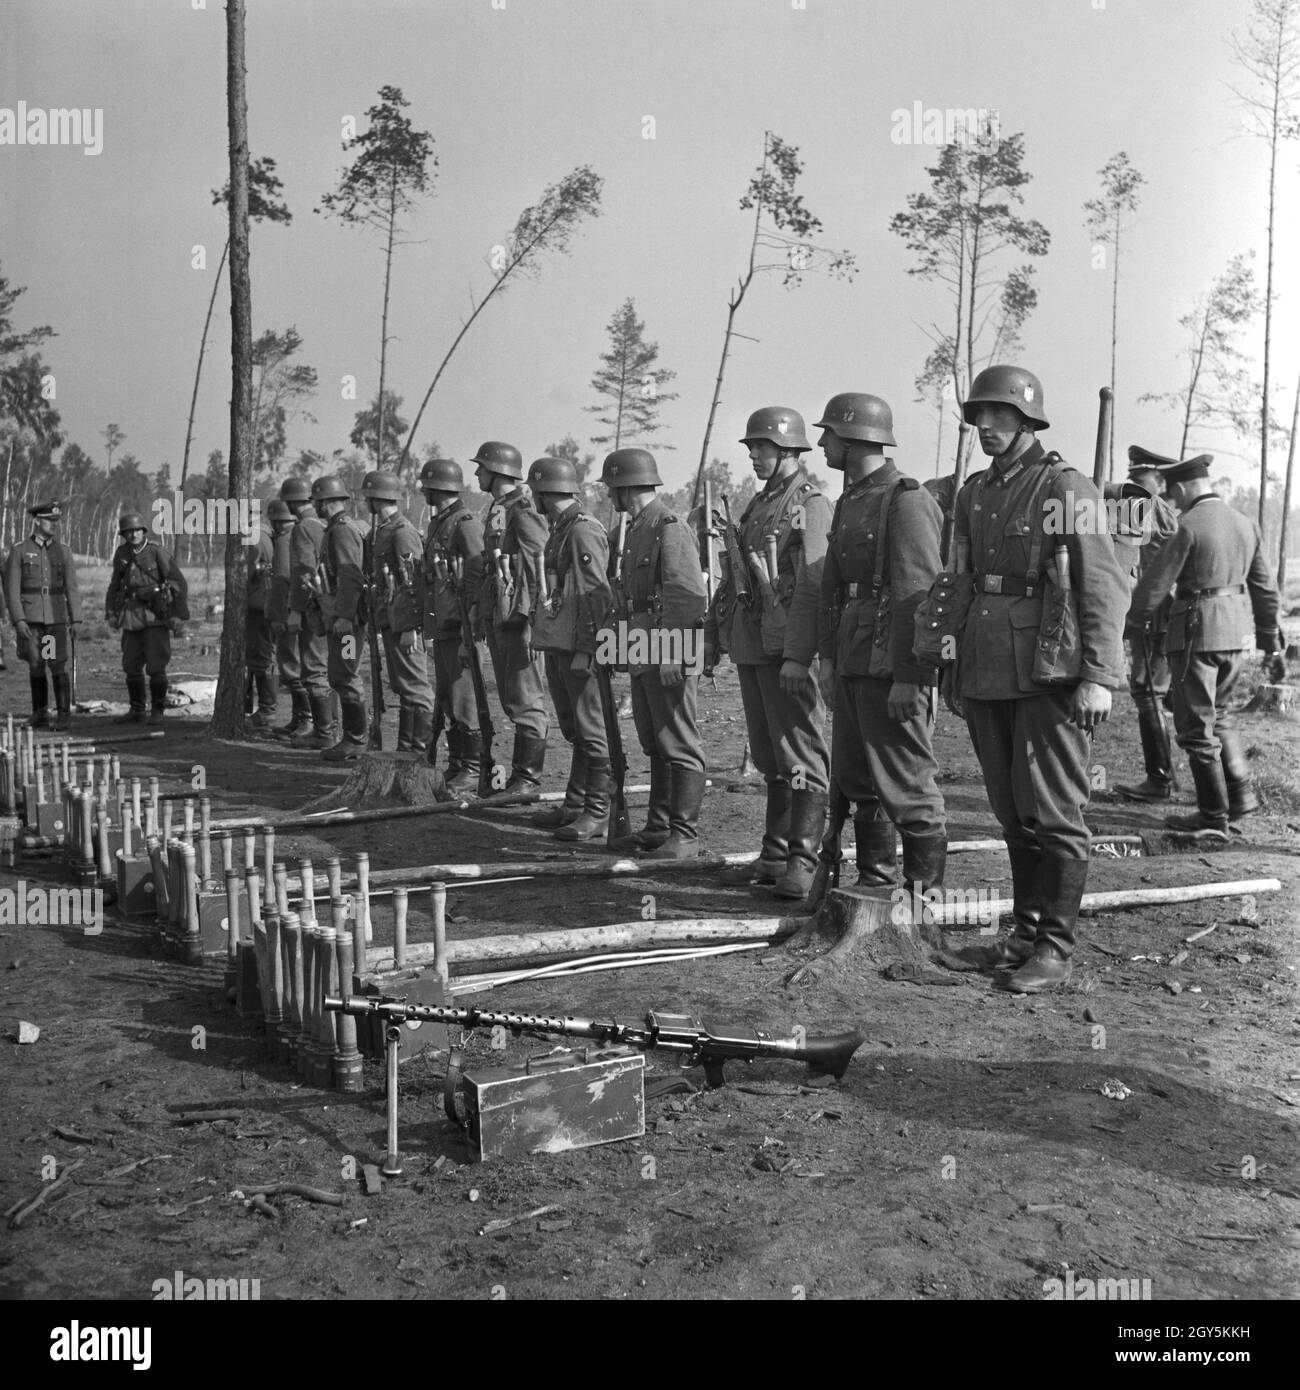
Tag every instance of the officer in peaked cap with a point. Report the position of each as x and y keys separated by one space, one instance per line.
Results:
x=1033 y=740
x=1225 y=601
x=40 y=583
x=772 y=638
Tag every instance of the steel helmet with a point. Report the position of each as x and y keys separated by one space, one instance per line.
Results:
x=631 y=468
x=277 y=509
x=295 y=490
x=329 y=489
x=131 y=521
x=442 y=475
x=381 y=486
x=500 y=458
x=553 y=475
x=856 y=415
x=1006 y=386
x=779 y=424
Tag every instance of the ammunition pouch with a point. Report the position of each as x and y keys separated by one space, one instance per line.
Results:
x=555 y=624
x=940 y=617
x=1058 y=653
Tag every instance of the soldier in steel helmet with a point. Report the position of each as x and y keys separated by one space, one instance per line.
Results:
x=575 y=606
x=1033 y=740
x=514 y=537
x=147 y=601
x=261 y=677
x=395 y=551
x=772 y=642
x=342 y=612
x=302 y=644
x=40 y=584
x=881 y=558
x=1225 y=601
x=453 y=567
x=660 y=598
x=280 y=519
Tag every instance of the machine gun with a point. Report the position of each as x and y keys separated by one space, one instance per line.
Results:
x=619 y=823
x=697 y=1044
x=485 y=729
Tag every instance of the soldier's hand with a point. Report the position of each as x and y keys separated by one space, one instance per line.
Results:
x=670 y=674
x=711 y=655
x=948 y=689
x=906 y=701
x=794 y=677
x=341 y=627
x=23 y=629
x=581 y=663
x=409 y=641
x=826 y=680
x=1090 y=706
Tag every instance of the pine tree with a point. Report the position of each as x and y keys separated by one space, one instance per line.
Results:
x=630 y=382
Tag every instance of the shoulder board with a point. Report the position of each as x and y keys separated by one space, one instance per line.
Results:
x=907 y=484
x=806 y=488
x=667 y=519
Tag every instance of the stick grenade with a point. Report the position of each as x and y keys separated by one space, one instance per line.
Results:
x=153 y=796
x=232 y=925
x=291 y=936
x=334 y=873
x=307 y=999
x=117 y=769
x=253 y=890
x=88 y=834
x=250 y=849
x=205 y=838
x=189 y=819
x=151 y=817
x=400 y=897
x=90 y=775
x=56 y=780
x=308 y=885
x=40 y=780
x=175 y=892
x=358 y=936
x=363 y=887
x=329 y=1021
x=268 y=873
x=9 y=731
x=31 y=746
x=136 y=801
x=166 y=821
x=314 y=1057
x=392 y=1164
x=1106 y=404
x=161 y=901
x=67 y=761
x=106 y=769
x=105 y=862
x=275 y=991
x=193 y=937
x=347 y=1060
x=227 y=853
x=281 y=879
x=101 y=793
x=438 y=908
x=126 y=834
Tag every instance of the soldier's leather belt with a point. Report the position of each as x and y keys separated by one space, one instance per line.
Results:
x=1014 y=584
x=1227 y=591
x=43 y=589
x=862 y=590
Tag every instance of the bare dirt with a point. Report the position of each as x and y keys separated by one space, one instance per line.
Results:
x=968 y=1153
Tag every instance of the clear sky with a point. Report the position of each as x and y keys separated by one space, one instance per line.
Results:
x=519 y=92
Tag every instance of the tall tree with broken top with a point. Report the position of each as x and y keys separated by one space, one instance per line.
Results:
x=394 y=166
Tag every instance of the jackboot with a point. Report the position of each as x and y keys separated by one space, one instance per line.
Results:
x=575 y=797
x=1236 y=772
x=62 y=700
x=1211 y=815
x=40 y=712
x=874 y=844
x=1061 y=881
x=593 y=823
x=1013 y=951
x=137 y=691
x=655 y=830
x=467 y=744
x=421 y=730
x=771 y=861
x=300 y=715
x=686 y=793
x=322 y=730
x=157 y=698
x=352 y=742
x=1157 y=755
x=404 y=713
x=526 y=763
x=267 y=686
x=807 y=821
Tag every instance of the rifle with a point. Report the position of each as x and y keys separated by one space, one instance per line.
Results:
x=700 y=1045
x=376 y=739
x=829 y=857
x=736 y=562
x=620 y=825
x=485 y=729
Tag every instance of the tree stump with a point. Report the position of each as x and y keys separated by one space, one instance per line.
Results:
x=862 y=926
x=1274 y=699
x=386 y=777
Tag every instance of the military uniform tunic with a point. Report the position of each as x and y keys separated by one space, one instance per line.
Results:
x=514 y=537
x=259 y=648
x=41 y=589
x=1034 y=759
x=454 y=543
x=395 y=580
x=786 y=732
x=662 y=591
x=1225 y=602
x=578 y=605
x=880 y=763
x=304 y=651
x=1142 y=525
x=285 y=624
x=146 y=634
x=342 y=556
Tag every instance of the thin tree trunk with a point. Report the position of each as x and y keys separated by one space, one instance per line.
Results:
x=1114 y=354
x=198 y=370
x=228 y=708
x=4 y=498
x=1286 y=491
x=1268 y=278
x=383 y=327
x=1197 y=363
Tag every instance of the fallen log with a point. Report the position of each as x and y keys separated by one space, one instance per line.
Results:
x=328 y=818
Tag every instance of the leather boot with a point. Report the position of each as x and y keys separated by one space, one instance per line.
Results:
x=593 y=823
x=62 y=700
x=1013 y=951
x=1211 y=815
x=1236 y=772
x=157 y=698
x=575 y=797
x=807 y=821
x=137 y=691
x=771 y=861
x=421 y=731
x=686 y=795
x=404 y=714
x=526 y=763
x=264 y=683
x=40 y=713
x=469 y=761
x=1061 y=882
x=874 y=844
x=299 y=715
x=352 y=742
x=655 y=831
x=1157 y=755
x=322 y=730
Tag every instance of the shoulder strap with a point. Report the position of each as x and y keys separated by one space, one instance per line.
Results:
x=882 y=545
x=1035 y=516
